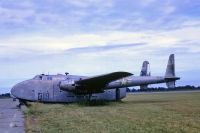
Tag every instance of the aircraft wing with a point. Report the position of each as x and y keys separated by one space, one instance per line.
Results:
x=96 y=83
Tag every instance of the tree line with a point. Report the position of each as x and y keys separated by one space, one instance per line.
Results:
x=5 y=95
x=179 y=88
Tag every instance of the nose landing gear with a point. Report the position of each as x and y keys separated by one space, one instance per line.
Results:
x=22 y=102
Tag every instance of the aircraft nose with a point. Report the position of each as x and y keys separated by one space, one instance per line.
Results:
x=15 y=90
x=20 y=90
x=24 y=90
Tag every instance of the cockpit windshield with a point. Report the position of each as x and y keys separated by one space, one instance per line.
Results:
x=43 y=77
x=38 y=77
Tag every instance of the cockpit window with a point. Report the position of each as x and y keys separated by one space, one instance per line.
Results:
x=49 y=78
x=43 y=77
x=46 y=77
x=38 y=77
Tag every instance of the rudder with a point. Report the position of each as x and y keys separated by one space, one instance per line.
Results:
x=170 y=70
x=170 y=76
x=145 y=71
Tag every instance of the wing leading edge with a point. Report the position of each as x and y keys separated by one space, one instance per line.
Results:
x=103 y=79
x=98 y=83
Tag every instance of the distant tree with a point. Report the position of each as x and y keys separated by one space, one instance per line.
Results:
x=187 y=87
x=5 y=95
x=133 y=90
x=128 y=90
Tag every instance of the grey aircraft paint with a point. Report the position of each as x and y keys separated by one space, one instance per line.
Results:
x=145 y=71
x=71 y=88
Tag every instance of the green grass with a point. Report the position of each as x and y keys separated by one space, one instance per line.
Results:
x=144 y=113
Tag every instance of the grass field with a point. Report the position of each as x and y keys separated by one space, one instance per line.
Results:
x=141 y=113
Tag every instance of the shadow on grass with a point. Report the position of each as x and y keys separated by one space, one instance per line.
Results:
x=145 y=101
x=97 y=103
x=94 y=103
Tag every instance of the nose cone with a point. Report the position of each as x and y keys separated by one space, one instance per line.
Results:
x=14 y=91
x=18 y=90
x=22 y=90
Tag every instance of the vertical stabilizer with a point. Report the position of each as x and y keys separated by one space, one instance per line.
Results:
x=170 y=76
x=170 y=71
x=145 y=71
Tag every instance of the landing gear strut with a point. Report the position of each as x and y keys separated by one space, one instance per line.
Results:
x=19 y=105
x=89 y=97
x=117 y=94
x=22 y=102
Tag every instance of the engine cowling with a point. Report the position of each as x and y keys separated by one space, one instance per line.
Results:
x=65 y=85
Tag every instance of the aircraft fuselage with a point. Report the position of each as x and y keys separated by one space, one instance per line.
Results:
x=47 y=89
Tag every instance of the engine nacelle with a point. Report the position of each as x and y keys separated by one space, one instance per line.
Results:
x=65 y=85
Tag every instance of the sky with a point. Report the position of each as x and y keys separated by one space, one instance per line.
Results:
x=92 y=37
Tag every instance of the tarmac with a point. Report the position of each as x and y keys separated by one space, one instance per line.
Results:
x=11 y=117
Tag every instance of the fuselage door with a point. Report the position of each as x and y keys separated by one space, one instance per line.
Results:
x=40 y=97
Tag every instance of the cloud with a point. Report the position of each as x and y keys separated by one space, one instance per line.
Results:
x=55 y=44
x=169 y=9
x=93 y=37
x=14 y=15
x=89 y=15
x=45 y=44
x=97 y=49
x=90 y=3
x=145 y=3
